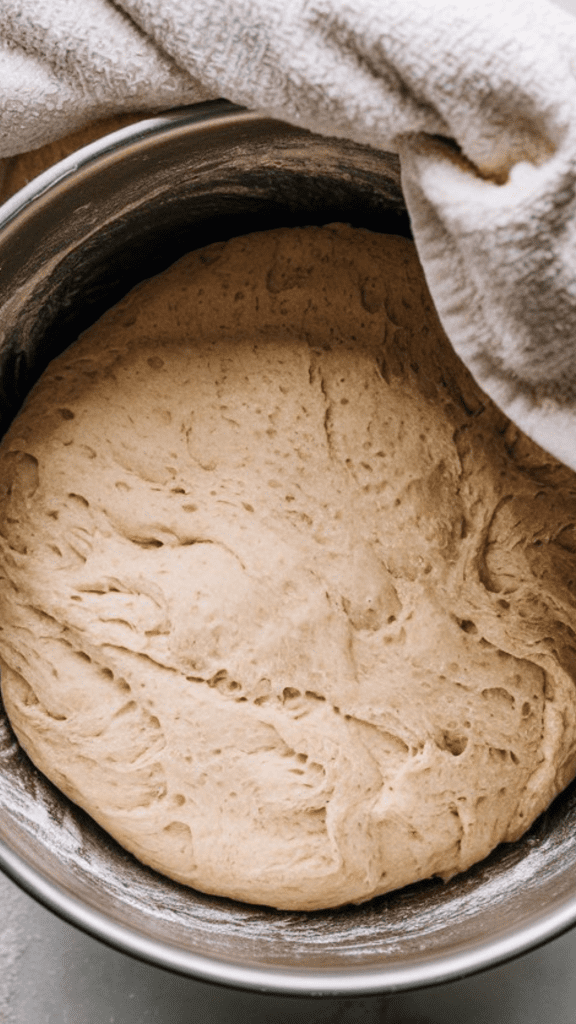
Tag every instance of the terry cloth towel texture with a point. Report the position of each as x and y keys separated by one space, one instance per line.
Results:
x=478 y=100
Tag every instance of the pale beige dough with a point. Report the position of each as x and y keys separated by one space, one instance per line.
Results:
x=286 y=604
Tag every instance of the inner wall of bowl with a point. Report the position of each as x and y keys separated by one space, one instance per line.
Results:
x=87 y=245
x=117 y=219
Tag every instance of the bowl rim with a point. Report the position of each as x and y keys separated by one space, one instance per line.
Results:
x=123 y=138
x=352 y=981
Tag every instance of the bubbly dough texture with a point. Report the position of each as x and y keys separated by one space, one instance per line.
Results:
x=286 y=604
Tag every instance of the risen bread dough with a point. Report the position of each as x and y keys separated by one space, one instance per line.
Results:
x=286 y=604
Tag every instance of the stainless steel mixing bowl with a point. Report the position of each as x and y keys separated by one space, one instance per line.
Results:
x=71 y=243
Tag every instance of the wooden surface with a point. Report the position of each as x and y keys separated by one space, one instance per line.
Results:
x=17 y=171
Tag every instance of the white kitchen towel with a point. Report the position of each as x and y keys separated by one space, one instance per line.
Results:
x=479 y=100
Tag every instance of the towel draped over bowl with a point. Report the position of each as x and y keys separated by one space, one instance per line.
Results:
x=479 y=101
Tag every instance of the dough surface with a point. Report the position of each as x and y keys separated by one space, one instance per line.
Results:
x=286 y=604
